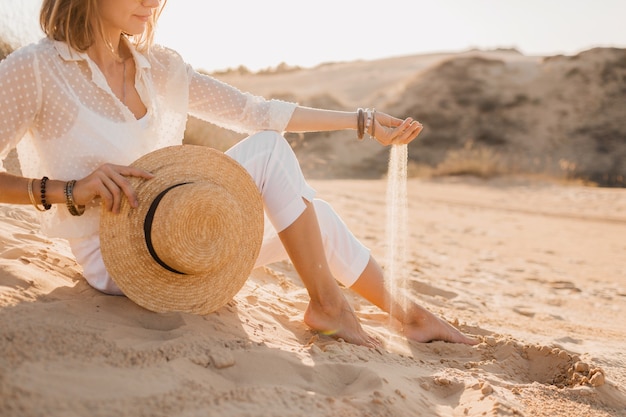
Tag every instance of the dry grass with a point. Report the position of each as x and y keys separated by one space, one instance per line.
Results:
x=481 y=162
x=487 y=163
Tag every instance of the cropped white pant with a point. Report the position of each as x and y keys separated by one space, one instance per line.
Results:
x=273 y=166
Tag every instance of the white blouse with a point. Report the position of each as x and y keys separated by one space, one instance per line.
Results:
x=58 y=110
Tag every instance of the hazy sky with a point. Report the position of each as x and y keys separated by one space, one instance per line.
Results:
x=259 y=34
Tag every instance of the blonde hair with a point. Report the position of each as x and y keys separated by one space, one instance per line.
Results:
x=77 y=23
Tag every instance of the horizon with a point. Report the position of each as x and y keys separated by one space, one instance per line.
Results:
x=351 y=33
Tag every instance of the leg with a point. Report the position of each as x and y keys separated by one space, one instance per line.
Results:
x=328 y=310
x=353 y=265
x=275 y=169
x=286 y=196
x=418 y=323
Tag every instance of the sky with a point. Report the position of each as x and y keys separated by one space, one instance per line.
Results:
x=262 y=34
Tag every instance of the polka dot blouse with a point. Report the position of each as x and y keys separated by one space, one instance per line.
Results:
x=57 y=109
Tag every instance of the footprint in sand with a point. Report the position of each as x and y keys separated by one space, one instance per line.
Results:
x=131 y=315
x=426 y=289
x=524 y=311
x=536 y=363
x=441 y=385
x=331 y=379
x=134 y=327
x=163 y=322
x=564 y=285
x=529 y=312
x=465 y=397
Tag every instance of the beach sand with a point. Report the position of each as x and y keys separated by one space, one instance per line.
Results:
x=536 y=270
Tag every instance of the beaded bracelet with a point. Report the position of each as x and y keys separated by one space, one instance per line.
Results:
x=69 y=200
x=45 y=205
x=32 y=196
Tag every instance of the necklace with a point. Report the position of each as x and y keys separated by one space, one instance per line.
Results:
x=124 y=82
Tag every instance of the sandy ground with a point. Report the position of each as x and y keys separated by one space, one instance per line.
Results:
x=536 y=270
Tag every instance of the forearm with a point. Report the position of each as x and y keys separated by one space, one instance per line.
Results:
x=14 y=190
x=306 y=119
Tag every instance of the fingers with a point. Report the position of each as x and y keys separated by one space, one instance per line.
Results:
x=118 y=186
x=132 y=172
x=111 y=184
x=392 y=131
x=122 y=182
x=408 y=131
x=114 y=186
x=404 y=133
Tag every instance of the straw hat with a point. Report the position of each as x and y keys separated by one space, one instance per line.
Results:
x=192 y=242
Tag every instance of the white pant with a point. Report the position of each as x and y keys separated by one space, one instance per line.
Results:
x=274 y=168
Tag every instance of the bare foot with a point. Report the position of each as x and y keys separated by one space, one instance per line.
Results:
x=339 y=322
x=428 y=327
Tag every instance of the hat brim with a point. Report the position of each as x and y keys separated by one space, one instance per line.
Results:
x=128 y=259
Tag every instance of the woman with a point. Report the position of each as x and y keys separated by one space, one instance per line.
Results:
x=95 y=94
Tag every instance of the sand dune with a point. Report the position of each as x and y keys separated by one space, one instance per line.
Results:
x=485 y=112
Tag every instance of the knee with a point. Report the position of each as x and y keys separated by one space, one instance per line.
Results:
x=265 y=142
x=275 y=145
x=267 y=139
x=326 y=216
x=322 y=208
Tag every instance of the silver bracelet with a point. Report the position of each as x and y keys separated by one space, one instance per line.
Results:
x=69 y=200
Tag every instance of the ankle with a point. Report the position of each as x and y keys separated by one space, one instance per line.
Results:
x=329 y=303
x=414 y=316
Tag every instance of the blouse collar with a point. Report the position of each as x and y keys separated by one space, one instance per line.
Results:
x=68 y=53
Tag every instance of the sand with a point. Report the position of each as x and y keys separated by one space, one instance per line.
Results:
x=535 y=270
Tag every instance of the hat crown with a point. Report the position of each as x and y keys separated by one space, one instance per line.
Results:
x=189 y=225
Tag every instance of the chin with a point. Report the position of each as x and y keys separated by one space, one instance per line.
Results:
x=135 y=29
x=133 y=32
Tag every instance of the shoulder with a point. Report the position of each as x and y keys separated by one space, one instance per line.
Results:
x=31 y=50
x=167 y=66
x=26 y=56
x=165 y=56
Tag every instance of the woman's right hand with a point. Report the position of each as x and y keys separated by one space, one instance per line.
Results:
x=390 y=130
x=110 y=183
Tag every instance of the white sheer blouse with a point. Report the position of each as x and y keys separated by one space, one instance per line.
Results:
x=58 y=110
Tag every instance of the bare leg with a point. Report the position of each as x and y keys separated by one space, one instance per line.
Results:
x=328 y=311
x=418 y=323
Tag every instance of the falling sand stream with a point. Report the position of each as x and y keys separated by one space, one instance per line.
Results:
x=396 y=231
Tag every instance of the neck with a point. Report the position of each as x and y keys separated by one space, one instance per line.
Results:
x=111 y=59
x=108 y=52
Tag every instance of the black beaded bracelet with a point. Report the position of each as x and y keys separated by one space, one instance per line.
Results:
x=43 y=194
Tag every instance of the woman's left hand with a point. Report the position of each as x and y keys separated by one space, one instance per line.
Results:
x=389 y=130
